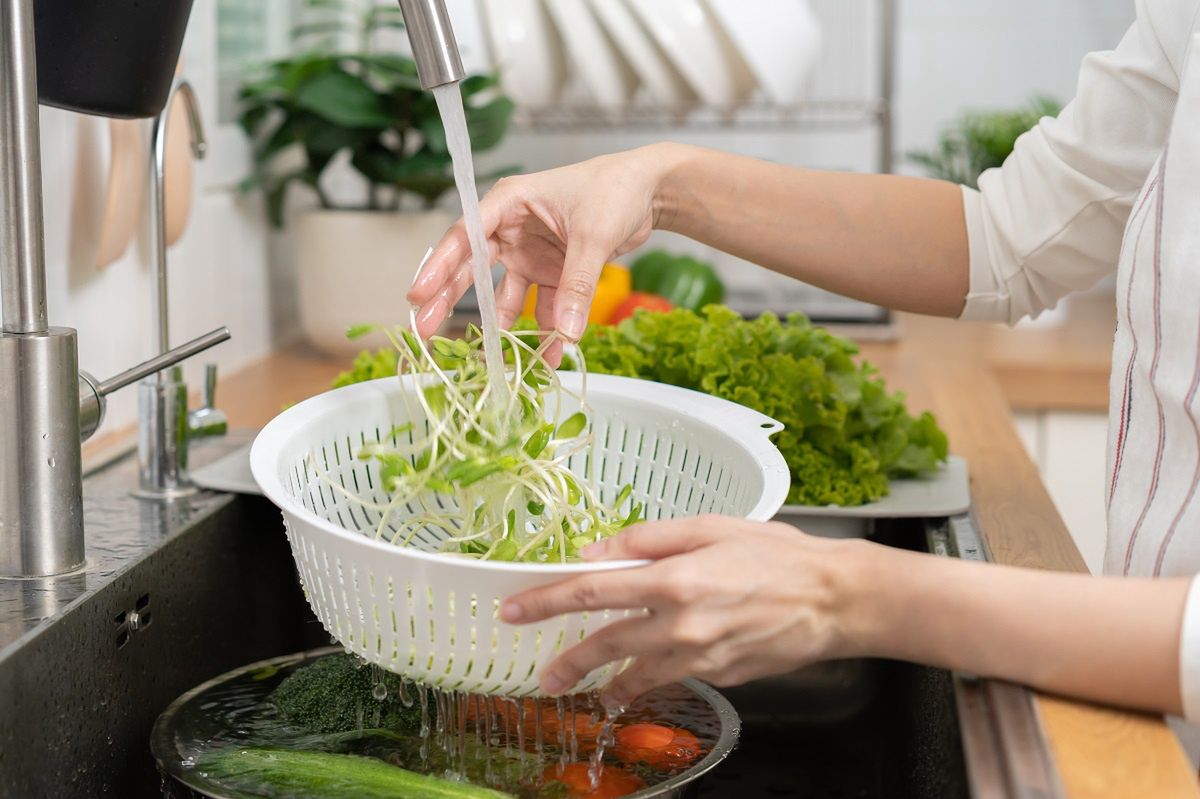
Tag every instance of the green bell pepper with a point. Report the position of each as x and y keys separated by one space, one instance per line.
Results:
x=682 y=280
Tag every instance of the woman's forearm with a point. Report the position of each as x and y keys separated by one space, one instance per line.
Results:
x=1111 y=640
x=890 y=240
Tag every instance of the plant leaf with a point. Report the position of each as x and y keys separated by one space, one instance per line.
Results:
x=342 y=98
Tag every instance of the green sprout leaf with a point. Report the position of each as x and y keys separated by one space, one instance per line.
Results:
x=573 y=426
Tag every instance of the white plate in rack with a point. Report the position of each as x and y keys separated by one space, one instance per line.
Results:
x=527 y=53
x=702 y=52
x=662 y=82
x=603 y=71
x=779 y=39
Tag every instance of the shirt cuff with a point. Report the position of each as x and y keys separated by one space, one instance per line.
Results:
x=1189 y=654
x=988 y=299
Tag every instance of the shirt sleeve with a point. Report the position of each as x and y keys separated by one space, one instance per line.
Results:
x=1051 y=219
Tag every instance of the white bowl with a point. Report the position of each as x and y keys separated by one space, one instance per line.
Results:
x=663 y=83
x=603 y=71
x=526 y=51
x=780 y=41
x=699 y=48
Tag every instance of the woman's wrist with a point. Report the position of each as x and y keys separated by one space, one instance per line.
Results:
x=877 y=589
x=669 y=163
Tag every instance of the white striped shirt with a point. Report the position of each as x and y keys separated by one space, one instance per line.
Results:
x=1113 y=185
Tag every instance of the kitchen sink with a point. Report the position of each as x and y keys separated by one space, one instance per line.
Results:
x=174 y=595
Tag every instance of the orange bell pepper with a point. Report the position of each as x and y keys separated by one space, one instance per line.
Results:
x=614 y=287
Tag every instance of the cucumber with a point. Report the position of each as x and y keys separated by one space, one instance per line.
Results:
x=288 y=774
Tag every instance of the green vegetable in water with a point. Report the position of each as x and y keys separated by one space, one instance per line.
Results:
x=288 y=774
x=500 y=460
x=845 y=436
x=336 y=694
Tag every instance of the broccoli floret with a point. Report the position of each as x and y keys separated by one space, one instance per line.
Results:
x=335 y=694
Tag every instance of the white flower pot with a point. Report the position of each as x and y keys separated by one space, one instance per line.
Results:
x=354 y=267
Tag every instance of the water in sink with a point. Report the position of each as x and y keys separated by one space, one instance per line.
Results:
x=530 y=749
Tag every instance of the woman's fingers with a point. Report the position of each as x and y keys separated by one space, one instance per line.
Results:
x=644 y=675
x=585 y=257
x=453 y=287
x=447 y=256
x=510 y=298
x=619 y=640
x=543 y=310
x=624 y=589
x=658 y=540
x=454 y=249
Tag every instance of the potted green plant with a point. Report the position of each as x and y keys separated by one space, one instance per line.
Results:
x=329 y=105
x=980 y=140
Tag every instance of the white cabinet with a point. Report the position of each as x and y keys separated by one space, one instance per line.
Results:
x=1069 y=450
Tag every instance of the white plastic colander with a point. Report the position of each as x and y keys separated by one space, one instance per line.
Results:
x=434 y=617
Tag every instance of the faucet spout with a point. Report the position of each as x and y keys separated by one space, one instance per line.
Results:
x=435 y=50
x=157 y=199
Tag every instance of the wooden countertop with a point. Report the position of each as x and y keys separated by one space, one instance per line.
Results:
x=1062 y=367
x=971 y=376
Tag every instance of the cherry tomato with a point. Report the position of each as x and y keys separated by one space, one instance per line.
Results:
x=638 y=299
x=657 y=745
x=586 y=731
x=614 y=782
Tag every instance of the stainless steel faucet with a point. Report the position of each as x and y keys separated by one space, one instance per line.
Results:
x=44 y=399
x=165 y=425
x=434 y=47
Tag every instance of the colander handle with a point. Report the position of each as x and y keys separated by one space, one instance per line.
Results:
x=769 y=426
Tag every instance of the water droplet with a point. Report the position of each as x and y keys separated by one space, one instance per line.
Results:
x=379 y=692
x=50 y=462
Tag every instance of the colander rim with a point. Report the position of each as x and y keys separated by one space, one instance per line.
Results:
x=277 y=434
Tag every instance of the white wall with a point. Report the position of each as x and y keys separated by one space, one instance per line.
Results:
x=973 y=53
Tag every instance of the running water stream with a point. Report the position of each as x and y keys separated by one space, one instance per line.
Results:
x=453 y=734
x=458 y=141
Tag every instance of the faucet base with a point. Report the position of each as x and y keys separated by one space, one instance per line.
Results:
x=41 y=490
x=164 y=494
x=163 y=437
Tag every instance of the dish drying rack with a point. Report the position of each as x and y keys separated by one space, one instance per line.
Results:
x=853 y=89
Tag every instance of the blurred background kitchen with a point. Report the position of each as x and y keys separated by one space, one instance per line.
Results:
x=846 y=84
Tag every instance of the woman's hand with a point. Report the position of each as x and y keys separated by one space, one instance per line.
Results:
x=553 y=229
x=728 y=600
